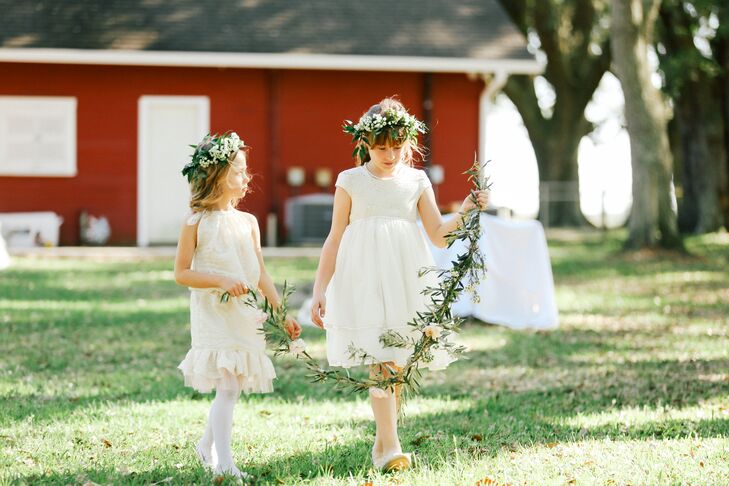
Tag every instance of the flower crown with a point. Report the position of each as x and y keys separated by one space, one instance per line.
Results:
x=405 y=125
x=213 y=149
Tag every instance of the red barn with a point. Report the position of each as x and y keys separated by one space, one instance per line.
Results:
x=99 y=100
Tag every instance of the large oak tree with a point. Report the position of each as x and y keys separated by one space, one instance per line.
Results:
x=573 y=36
x=693 y=79
x=652 y=221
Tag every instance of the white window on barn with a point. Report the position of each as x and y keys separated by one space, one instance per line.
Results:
x=37 y=136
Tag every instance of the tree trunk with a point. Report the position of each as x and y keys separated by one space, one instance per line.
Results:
x=556 y=153
x=721 y=47
x=653 y=220
x=699 y=212
x=575 y=42
x=555 y=141
x=697 y=126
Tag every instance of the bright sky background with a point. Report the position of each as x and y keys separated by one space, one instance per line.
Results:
x=604 y=157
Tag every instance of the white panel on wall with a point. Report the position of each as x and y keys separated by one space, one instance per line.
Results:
x=168 y=125
x=37 y=136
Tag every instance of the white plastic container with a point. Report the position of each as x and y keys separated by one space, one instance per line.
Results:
x=26 y=230
x=4 y=256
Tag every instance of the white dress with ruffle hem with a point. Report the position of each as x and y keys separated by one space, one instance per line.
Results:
x=376 y=286
x=228 y=345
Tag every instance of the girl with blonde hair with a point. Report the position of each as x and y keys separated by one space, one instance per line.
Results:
x=219 y=258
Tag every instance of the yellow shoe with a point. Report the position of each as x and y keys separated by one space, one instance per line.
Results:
x=397 y=462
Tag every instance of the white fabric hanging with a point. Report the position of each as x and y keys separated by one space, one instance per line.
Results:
x=518 y=291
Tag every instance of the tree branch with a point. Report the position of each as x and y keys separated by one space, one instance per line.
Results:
x=583 y=21
x=520 y=90
x=591 y=73
x=545 y=24
x=651 y=9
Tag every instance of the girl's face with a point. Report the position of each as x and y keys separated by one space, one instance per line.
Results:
x=236 y=182
x=386 y=157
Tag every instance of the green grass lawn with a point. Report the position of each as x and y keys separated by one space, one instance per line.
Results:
x=632 y=389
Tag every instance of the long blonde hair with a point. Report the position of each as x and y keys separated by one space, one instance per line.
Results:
x=411 y=148
x=206 y=192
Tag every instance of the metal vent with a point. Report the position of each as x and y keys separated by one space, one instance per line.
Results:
x=309 y=218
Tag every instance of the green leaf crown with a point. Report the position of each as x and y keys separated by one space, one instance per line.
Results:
x=400 y=124
x=212 y=149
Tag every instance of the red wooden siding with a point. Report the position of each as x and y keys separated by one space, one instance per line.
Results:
x=289 y=117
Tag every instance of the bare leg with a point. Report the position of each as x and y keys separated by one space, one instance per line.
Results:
x=385 y=414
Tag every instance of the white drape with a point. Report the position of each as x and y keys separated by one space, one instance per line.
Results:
x=518 y=291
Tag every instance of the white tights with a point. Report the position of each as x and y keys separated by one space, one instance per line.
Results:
x=218 y=432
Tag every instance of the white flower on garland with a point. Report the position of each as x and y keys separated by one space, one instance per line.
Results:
x=297 y=347
x=441 y=359
x=433 y=332
x=261 y=317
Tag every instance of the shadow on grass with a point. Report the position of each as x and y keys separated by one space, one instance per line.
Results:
x=539 y=370
x=592 y=370
x=158 y=475
x=486 y=429
x=496 y=419
x=529 y=389
x=342 y=461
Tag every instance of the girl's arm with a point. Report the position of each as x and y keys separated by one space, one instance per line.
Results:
x=265 y=282
x=199 y=280
x=328 y=258
x=434 y=225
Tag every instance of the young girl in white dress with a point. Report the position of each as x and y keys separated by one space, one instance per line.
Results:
x=367 y=281
x=219 y=259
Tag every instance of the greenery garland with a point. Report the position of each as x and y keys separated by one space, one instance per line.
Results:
x=433 y=326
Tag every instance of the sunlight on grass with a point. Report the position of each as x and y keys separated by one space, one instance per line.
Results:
x=653 y=418
x=633 y=388
x=152 y=305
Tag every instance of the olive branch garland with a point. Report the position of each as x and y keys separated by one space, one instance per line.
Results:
x=434 y=325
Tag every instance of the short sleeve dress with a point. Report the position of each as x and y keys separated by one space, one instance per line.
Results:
x=228 y=346
x=376 y=286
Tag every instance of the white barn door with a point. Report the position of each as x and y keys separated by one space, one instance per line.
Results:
x=167 y=126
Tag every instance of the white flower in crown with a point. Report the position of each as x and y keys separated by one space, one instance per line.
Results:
x=389 y=118
x=213 y=149
x=433 y=332
x=297 y=346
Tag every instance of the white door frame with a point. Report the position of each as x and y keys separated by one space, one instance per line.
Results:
x=144 y=105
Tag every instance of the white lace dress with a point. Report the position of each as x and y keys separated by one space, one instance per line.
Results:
x=228 y=347
x=375 y=286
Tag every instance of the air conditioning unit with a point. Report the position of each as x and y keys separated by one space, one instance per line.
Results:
x=308 y=218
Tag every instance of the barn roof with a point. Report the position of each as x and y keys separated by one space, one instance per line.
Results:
x=468 y=35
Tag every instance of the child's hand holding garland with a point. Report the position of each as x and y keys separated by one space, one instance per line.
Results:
x=478 y=199
x=292 y=328
x=232 y=288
